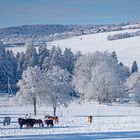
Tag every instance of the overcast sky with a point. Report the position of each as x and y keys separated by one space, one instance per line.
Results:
x=23 y=12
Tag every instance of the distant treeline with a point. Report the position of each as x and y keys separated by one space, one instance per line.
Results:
x=123 y=35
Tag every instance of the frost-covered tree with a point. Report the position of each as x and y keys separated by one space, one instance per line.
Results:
x=31 y=88
x=105 y=85
x=134 y=67
x=58 y=88
x=78 y=54
x=6 y=68
x=3 y=67
x=132 y=81
x=43 y=52
x=123 y=35
x=84 y=78
x=136 y=95
x=57 y=56
x=12 y=63
x=31 y=57
x=54 y=59
x=82 y=74
x=68 y=59
x=20 y=63
x=124 y=70
x=133 y=87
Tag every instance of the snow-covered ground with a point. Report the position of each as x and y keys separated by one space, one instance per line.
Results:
x=127 y=49
x=109 y=122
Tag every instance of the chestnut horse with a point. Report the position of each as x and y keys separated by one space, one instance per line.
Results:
x=53 y=118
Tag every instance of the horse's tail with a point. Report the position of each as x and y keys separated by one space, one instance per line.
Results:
x=41 y=122
x=19 y=120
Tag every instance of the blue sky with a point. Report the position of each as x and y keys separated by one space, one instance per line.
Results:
x=23 y=12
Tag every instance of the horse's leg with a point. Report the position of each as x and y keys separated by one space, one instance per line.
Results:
x=32 y=125
x=26 y=125
x=21 y=126
x=42 y=124
x=4 y=123
x=56 y=121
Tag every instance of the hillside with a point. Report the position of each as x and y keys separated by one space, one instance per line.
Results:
x=46 y=33
x=127 y=49
x=84 y=38
x=35 y=30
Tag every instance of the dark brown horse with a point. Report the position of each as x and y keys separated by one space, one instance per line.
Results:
x=49 y=123
x=40 y=122
x=29 y=122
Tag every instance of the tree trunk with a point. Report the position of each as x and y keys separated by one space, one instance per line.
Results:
x=54 y=111
x=99 y=100
x=34 y=103
x=138 y=103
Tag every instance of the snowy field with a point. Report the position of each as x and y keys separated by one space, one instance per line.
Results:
x=117 y=122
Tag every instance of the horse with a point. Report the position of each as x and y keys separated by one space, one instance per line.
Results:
x=40 y=122
x=54 y=118
x=7 y=120
x=90 y=118
x=49 y=123
x=28 y=122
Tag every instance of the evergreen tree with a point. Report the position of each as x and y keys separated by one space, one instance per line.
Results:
x=31 y=57
x=78 y=54
x=133 y=87
x=18 y=55
x=114 y=55
x=12 y=62
x=5 y=69
x=68 y=60
x=134 y=67
x=121 y=64
x=43 y=52
x=20 y=62
x=58 y=57
x=54 y=59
